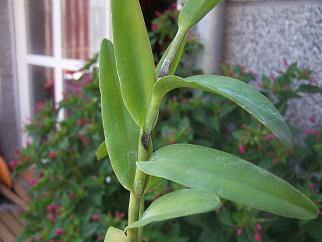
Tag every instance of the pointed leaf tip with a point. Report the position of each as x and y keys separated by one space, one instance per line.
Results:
x=229 y=177
x=178 y=204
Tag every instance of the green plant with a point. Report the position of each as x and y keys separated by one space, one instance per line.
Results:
x=131 y=93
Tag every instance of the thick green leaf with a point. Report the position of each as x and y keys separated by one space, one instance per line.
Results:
x=237 y=91
x=121 y=132
x=309 y=88
x=178 y=204
x=193 y=11
x=134 y=57
x=176 y=59
x=115 y=235
x=229 y=177
x=101 y=151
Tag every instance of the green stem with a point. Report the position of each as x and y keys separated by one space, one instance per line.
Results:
x=140 y=183
x=136 y=204
x=172 y=52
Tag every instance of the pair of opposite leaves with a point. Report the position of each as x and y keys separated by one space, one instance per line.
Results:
x=128 y=84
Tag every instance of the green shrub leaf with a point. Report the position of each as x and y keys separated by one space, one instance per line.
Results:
x=101 y=151
x=121 y=132
x=134 y=57
x=193 y=11
x=115 y=235
x=237 y=91
x=178 y=204
x=229 y=177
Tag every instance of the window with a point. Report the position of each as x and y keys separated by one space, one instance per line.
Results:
x=54 y=37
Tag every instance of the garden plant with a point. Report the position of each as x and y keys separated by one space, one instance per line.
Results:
x=131 y=93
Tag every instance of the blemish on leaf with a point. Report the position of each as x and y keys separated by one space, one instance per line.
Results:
x=145 y=138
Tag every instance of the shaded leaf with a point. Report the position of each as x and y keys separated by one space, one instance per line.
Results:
x=309 y=88
x=134 y=57
x=178 y=204
x=120 y=131
x=237 y=91
x=115 y=235
x=101 y=151
x=230 y=178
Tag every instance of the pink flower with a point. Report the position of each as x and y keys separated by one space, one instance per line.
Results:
x=269 y=137
x=258 y=227
x=242 y=149
x=312 y=186
x=311 y=131
x=258 y=237
x=52 y=154
x=34 y=182
x=52 y=207
x=51 y=217
x=155 y=27
x=52 y=240
x=158 y=14
x=119 y=214
x=239 y=231
x=13 y=164
x=95 y=217
x=59 y=231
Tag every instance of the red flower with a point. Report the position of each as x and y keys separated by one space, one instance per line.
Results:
x=13 y=164
x=119 y=214
x=155 y=27
x=95 y=217
x=312 y=186
x=52 y=154
x=311 y=131
x=52 y=207
x=269 y=137
x=258 y=237
x=51 y=217
x=239 y=231
x=242 y=149
x=59 y=231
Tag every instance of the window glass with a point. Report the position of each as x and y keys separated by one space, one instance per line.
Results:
x=39 y=27
x=83 y=27
x=42 y=86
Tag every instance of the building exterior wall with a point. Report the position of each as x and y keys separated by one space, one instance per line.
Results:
x=262 y=34
x=9 y=135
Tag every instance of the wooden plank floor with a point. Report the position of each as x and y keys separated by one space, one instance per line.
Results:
x=16 y=199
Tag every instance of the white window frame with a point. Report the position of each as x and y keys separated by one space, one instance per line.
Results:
x=57 y=61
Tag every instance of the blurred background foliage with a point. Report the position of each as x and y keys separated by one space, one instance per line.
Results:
x=76 y=197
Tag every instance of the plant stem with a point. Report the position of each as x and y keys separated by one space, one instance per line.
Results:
x=136 y=204
x=140 y=183
x=172 y=52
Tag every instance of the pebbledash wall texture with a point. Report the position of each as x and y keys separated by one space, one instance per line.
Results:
x=9 y=134
x=261 y=34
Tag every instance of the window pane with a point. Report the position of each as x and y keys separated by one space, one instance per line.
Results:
x=39 y=27
x=42 y=86
x=84 y=25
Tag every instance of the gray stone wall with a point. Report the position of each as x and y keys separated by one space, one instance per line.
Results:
x=9 y=139
x=261 y=34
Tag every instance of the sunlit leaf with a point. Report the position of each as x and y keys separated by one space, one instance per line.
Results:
x=101 y=151
x=178 y=204
x=237 y=91
x=193 y=11
x=115 y=235
x=134 y=57
x=121 y=132
x=229 y=177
